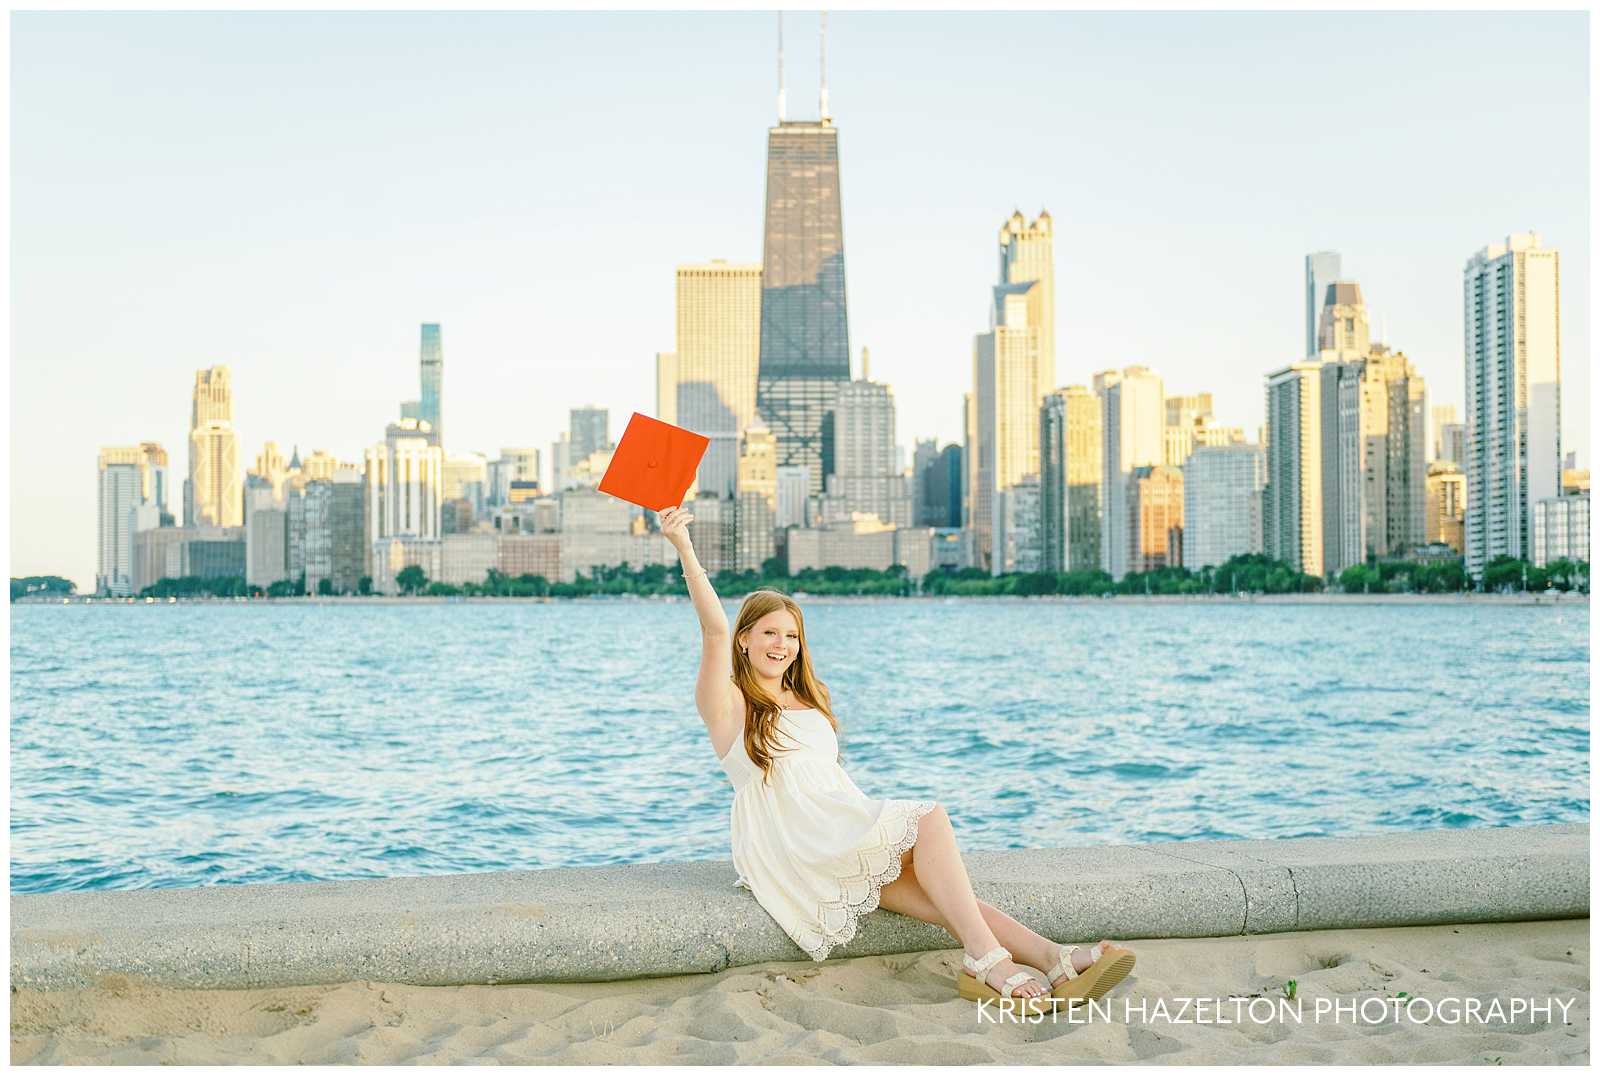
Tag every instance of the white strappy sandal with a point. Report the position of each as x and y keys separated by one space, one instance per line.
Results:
x=1110 y=965
x=970 y=984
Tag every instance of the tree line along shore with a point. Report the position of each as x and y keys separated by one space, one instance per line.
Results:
x=1250 y=574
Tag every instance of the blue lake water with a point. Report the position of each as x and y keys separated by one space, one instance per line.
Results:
x=171 y=745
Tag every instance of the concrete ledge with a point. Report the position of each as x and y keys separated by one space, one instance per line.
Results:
x=623 y=922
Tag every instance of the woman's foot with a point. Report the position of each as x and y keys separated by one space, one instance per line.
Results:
x=1081 y=961
x=997 y=976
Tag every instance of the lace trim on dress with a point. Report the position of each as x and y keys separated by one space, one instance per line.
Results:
x=848 y=912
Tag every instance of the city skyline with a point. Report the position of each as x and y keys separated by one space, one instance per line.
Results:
x=918 y=308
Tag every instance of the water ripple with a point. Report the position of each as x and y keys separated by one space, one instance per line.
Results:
x=216 y=745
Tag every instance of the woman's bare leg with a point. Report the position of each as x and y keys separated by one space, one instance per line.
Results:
x=943 y=878
x=907 y=895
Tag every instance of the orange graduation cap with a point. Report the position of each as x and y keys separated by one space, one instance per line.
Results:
x=654 y=464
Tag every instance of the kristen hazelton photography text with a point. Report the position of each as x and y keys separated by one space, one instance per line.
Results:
x=1205 y=682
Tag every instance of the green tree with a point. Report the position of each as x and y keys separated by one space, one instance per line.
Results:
x=1503 y=573
x=1358 y=579
x=53 y=586
x=325 y=586
x=411 y=578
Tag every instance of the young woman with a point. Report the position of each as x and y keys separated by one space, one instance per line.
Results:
x=817 y=852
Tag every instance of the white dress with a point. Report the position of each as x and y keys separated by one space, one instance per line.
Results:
x=812 y=847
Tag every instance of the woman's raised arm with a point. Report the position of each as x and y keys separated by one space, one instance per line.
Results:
x=714 y=692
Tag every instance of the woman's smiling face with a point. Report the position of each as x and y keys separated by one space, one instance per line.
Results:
x=773 y=643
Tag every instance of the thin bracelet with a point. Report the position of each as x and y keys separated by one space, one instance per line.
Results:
x=691 y=575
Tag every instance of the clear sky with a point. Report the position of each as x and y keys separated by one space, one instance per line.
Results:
x=293 y=194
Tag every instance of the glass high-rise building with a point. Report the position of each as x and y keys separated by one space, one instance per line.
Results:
x=432 y=379
x=1511 y=295
x=805 y=336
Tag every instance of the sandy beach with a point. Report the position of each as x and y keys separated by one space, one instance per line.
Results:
x=884 y=1010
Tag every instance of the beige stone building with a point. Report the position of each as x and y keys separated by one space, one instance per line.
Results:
x=1446 y=503
x=1014 y=365
x=272 y=466
x=1155 y=518
x=215 y=492
x=529 y=554
x=863 y=542
x=467 y=558
x=758 y=463
x=1344 y=333
x=1374 y=458
x=1027 y=254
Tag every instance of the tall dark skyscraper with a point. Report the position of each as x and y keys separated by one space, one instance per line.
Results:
x=805 y=335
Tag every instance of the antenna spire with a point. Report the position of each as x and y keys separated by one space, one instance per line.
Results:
x=823 y=97
x=780 y=68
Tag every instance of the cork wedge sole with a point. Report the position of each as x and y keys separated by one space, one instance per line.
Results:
x=1097 y=980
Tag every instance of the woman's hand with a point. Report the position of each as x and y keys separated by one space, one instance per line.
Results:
x=675 y=526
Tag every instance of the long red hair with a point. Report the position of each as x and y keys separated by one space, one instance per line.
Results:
x=761 y=710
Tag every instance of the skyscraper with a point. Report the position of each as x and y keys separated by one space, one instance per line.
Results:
x=1053 y=483
x=1018 y=528
x=1070 y=447
x=1085 y=478
x=1027 y=254
x=1186 y=415
x=404 y=487
x=514 y=465
x=215 y=496
x=1511 y=293
x=667 y=386
x=1447 y=498
x=865 y=474
x=1374 y=458
x=936 y=480
x=118 y=494
x=271 y=466
x=1440 y=416
x=1291 y=504
x=1345 y=329
x=432 y=380
x=1394 y=402
x=1007 y=390
x=1222 y=503
x=1155 y=518
x=758 y=467
x=755 y=515
x=716 y=362
x=805 y=337
x=1322 y=269
x=1133 y=433
x=153 y=475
